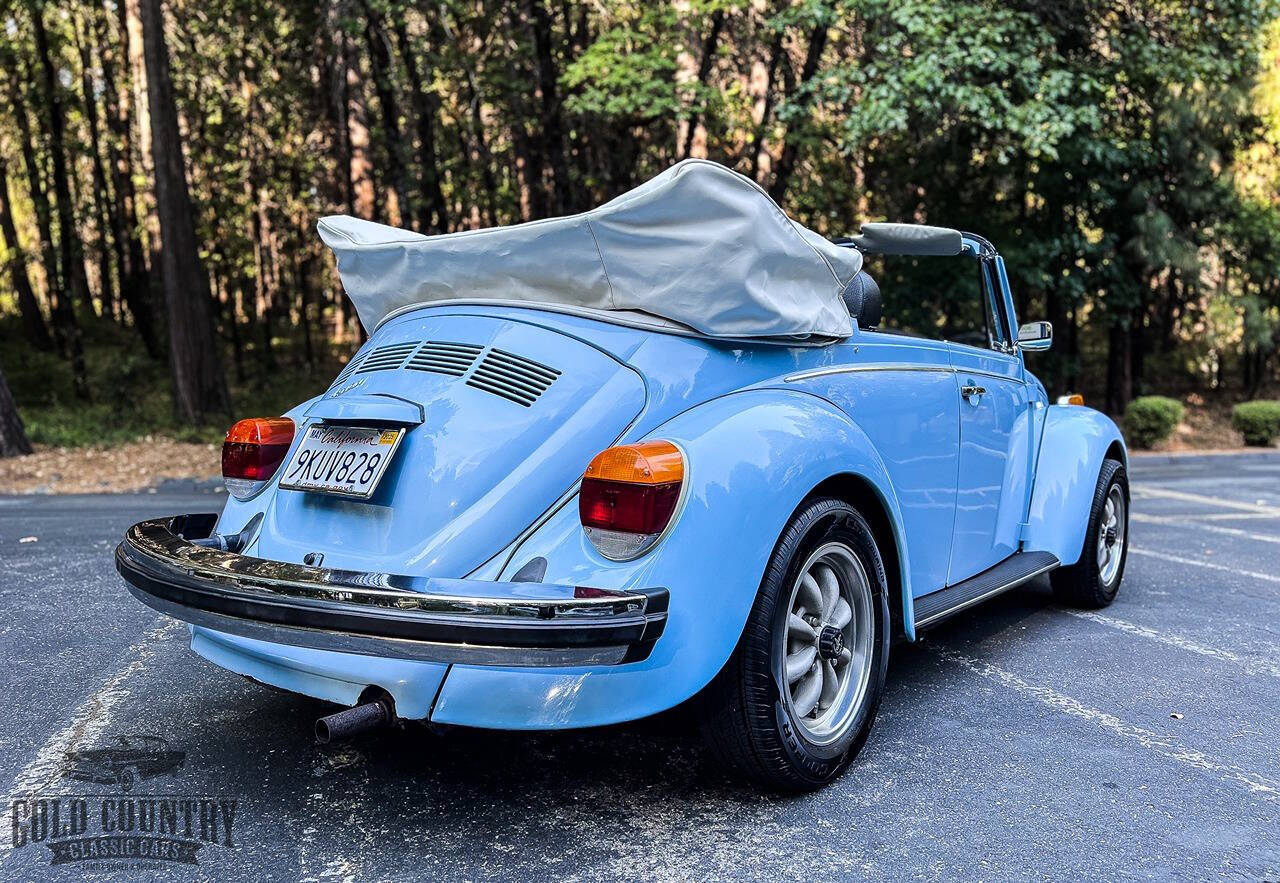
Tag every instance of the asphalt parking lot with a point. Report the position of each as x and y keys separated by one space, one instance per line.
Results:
x=1019 y=741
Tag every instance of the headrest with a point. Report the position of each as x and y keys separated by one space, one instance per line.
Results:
x=862 y=297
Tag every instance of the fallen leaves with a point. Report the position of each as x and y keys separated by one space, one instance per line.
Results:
x=128 y=467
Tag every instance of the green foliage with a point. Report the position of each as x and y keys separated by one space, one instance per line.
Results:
x=1151 y=419
x=131 y=395
x=1258 y=422
x=629 y=71
x=976 y=69
x=1125 y=160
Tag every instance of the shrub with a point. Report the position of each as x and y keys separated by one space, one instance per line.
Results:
x=1150 y=419
x=1258 y=422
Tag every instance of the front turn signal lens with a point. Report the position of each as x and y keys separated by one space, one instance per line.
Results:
x=628 y=496
x=1074 y=399
x=252 y=452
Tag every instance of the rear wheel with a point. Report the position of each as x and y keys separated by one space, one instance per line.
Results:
x=1094 y=580
x=796 y=701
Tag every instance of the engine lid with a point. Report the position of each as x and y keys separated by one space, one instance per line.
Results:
x=511 y=413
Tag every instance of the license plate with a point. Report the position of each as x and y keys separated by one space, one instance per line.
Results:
x=344 y=460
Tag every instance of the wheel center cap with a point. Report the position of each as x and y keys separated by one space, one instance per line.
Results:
x=830 y=643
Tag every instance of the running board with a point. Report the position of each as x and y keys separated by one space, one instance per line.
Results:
x=1009 y=573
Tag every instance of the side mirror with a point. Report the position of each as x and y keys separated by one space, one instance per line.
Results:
x=1035 y=336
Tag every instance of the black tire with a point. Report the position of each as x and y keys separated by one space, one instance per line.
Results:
x=1082 y=584
x=747 y=725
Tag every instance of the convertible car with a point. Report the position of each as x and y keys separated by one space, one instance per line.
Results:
x=674 y=448
x=131 y=759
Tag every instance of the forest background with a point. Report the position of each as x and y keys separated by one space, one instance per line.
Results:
x=163 y=165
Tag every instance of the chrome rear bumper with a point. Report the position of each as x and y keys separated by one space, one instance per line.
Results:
x=377 y=614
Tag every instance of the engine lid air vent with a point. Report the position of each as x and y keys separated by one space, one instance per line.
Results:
x=512 y=377
x=385 y=358
x=441 y=357
x=347 y=370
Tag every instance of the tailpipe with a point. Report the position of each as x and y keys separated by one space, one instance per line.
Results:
x=363 y=718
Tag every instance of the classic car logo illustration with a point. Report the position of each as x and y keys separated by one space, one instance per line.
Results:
x=120 y=829
x=131 y=759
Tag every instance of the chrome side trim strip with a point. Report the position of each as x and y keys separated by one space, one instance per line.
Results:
x=881 y=366
x=897 y=366
x=993 y=374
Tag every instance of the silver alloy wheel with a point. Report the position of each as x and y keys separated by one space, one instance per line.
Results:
x=1111 y=534
x=825 y=655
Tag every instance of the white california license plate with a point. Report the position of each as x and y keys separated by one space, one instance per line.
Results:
x=345 y=460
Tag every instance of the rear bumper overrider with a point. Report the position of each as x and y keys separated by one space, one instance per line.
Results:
x=428 y=619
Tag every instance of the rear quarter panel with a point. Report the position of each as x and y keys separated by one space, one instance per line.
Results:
x=752 y=457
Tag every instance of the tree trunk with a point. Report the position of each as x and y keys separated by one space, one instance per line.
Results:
x=35 y=186
x=331 y=87
x=67 y=334
x=776 y=53
x=790 y=152
x=198 y=385
x=66 y=331
x=135 y=285
x=70 y=255
x=426 y=107
x=550 y=141
x=1119 y=363
x=1055 y=310
x=380 y=68
x=1138 y=342
x=441 y=31
x=107 y=243
x=704 y=70
x=364 y=185
x=33 y=326
x=13 y=436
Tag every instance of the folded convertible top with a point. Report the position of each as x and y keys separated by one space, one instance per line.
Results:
x=699 y=245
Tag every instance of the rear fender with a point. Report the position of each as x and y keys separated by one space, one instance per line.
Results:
x=751 y=459
x=1074 y=444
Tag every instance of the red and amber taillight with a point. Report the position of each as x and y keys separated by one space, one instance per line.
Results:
x=252 y=452
x=629 y=495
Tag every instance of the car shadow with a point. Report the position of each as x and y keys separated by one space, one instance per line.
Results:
x=502 y=766
x=258 y=745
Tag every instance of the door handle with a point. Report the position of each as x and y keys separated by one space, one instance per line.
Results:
x=972 y=392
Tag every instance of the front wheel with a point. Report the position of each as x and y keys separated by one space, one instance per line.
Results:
x=1094 y=580
x=796 y=701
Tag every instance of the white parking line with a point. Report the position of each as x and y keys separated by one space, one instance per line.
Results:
x=1146 y=492
x=1196 y=522
x=1165 y=556
x=1249 y=665
x=87 y=723
x=1237 y=516
x=1254 y=782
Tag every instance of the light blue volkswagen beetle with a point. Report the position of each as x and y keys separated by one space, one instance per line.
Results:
x=589 y=468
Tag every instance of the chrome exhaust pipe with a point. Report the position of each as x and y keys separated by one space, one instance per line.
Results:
x=350 y=722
